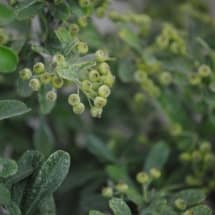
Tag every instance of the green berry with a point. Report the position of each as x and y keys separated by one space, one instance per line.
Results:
x=96 y=112
x=155 y=173
x=57 y=82
x=51 y=96
x=104 y=68
x=205 y=146
x=86 y=85
x=107 y=192
x=58 y=59
x=85 y=3
x=108 y=80
x=73 y=99
x=101 y=56
x=78 y=108
x=100 y=102
x=3 y=37
x=94 y=75
x=74 y=29
x=122 y=187
x=39 y=68
x=196 y=156
x=185 y=156
x=204 y=71
x=34 y=84
x=82 y=21
x=82 y=48
x=180 y=204
x=45 y=78
x=142 y=178
x=175 y=129
x=25 y=74
x=195 y=80
x=104 y=91
x=165 y=78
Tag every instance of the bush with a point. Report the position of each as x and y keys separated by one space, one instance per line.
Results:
x=119 y=121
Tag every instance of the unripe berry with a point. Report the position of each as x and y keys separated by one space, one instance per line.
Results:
x=82 y=48
x=162 y=42
x=73 y=99
x=209 y=158
x=195 y=80
x=104 y=68
x=180 y=204
x=57 y=82
x=94 y=75
x=3 y=37
x=39 y=68
x=25 y=74
x=108 y=80
x=58 y=59
x=175 y=129
x=34 y=84
x=78 y=108
x=165 y=78
x=96 y=112
x=142 y=178
x=86 y=85
x=122 y=187
x=101 y=56
x=100 y=12
x=107 y=192
x=51 y=96
x=155 y=173
x=185 y=156
x=205 y=146
x=45 y=78
x=204 y=71
x=196 y=156
x=100 y=102
x=104 y=91
x=82 y=21
x=74 y=29
x=85 y=3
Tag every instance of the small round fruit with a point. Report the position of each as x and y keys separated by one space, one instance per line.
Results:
x=34 y=84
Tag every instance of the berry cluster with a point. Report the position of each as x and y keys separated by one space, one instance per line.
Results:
x=171 y=39
x=203 y=158
x=122 y=188
x=94 y=82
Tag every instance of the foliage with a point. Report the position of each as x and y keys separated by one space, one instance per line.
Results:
x=132 y=107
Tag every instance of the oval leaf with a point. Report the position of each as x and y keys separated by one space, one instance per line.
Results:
x=8 y=60
x=11 y=108
x=119 y=207
x=6 y=14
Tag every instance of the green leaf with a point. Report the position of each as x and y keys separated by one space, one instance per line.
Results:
x=157 y=156
x=126 y=71
x=23 y=88
x=28 y=9
x=8 y=60
x=6 y=14
x=13 y=209
x=11 y=108
x=130 y=38
x=45 y=105
x=47 y=206
x=93 y=212
x=191 y=196
x=27 y=164
x=201 y=210
x=43 y=138
x=4 y=195
x=119 y=207
x=49 y=177
x=8 y=167
x=99 y=149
